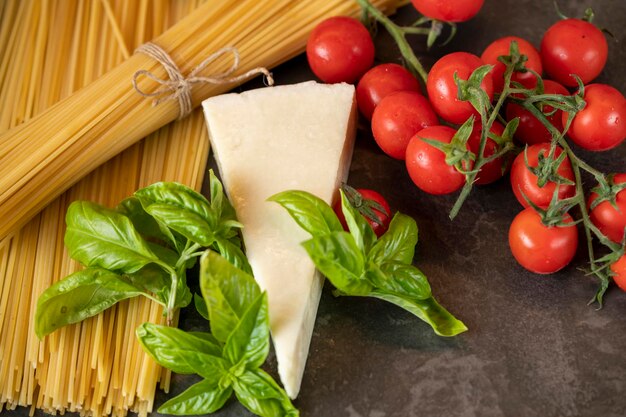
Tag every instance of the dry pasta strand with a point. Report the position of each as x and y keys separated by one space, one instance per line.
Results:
x=59 y=144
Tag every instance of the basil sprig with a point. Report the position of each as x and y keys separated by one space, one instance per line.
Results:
x=142 y=247
x=229 y=358
x=358 y=263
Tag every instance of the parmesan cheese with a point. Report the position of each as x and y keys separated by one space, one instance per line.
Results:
x=270 y=140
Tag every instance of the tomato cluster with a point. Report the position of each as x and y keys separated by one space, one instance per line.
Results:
x=424 y=129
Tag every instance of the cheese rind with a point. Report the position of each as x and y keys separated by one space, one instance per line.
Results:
x=270 y=140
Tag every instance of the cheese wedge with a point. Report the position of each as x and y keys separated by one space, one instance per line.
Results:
x=270 y=140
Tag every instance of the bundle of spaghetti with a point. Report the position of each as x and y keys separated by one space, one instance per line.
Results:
x=95 y=367
x=46 y=155
x=48 y=50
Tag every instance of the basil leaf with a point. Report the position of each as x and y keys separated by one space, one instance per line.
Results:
x=201 y=307
x=442 y=322
x=260 y=394
x=250 y=340
x=98 y=236
x=151 y=279
x=183 y=293
x=398 y=242
x=233 y=254
x=228 y=292
x=185 y=222
x=80 y=295
x=220 y=205
x=145 y=224
x=165 y=254
x=309 y=211
x=202 y=398
x=401 y=279
x=181 y=352
x=338 y=257
x=180 y=208
x=206 y=336
x=357 y=224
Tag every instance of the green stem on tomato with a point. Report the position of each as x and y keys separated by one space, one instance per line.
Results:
x=399 y=35
x=415 y=31
x=578 y=164
x=486 y=124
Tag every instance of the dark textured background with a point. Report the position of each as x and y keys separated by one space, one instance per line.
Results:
x=534 y=347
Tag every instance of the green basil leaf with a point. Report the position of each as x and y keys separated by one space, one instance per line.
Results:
x=151 y=279
x=180 y=208
x=165 y=254
x=82 y=294
x=201 y=307
x=357 y=224
x=260 y=394
x=401 y=279
x=206 y=336
x=220 y=205
x=442 y=322
x=183 y=293
x=338 y=257
x=205 y=397
x=228 y=292
x=233 y=254
x=98 y=236
x=309 y=211
x=250 y=340
x=181 y=352
x=398 y=242
x=145 y=224
x=189 y=224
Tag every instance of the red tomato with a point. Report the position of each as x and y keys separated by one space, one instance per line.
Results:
x=368 y=196
x=601 y=125
x=539 y=248
x=501 y=47
x=619 y=271
x=492 y=171
x=443 y=92
x=611 y=220
x=340 y=49
x=448 y=10
x=397 y=118
x=379 y=82
x=531 y=130
x=427 y=165
x=524 y=181
x=573 y=46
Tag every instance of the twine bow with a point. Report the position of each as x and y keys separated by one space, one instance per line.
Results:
x=179 y=87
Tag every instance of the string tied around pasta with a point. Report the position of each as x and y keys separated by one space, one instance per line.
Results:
x=178 y=87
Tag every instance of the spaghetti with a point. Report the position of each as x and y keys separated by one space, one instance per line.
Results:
x=59 y=125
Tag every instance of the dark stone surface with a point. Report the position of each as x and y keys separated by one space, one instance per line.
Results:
x=534 y=347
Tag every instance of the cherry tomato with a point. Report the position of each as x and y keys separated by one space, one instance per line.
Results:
x=502 y=47
x=531 y=130
x=443 y=92
x=397 y=118
x=491 y=171
x=539 y=248
x=379 y=82
x=380 y=225
x=448 y=10
x=427 y=165
x=524 y=181
x=619 y=271
x=609 y=219
x=340 y=49
x=573 y=46
x=601 y=125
